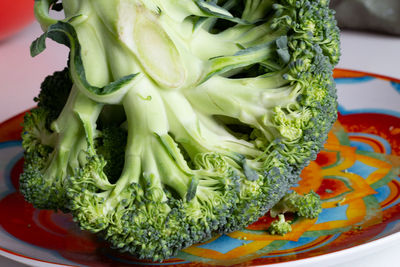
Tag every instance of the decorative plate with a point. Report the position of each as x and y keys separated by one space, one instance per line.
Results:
x=356 y=175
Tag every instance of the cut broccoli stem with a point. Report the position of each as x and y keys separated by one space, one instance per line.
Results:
x=41 y=10
x=213 y=96
x=229 y=41
x=256 y=9
x=170 y=173
x=206 y=45
x=240 y=101
x=73 y=139
x=191 y=132
x=243 y=58
x=146 y=117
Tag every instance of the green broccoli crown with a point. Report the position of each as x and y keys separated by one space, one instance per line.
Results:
x=36 y=189
x=184 y=119
x=44 y=168
x=308 y=205
x=55 y=142
x=280 y=226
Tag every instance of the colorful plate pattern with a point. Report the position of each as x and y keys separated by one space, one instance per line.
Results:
x=356 y=175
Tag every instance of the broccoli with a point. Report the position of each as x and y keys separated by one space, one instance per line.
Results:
x=55 y=141
x=280 y=226
x=308 y=206
x=184 y=119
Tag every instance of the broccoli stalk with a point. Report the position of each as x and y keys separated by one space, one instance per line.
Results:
x=280 y=226
x=219 y=104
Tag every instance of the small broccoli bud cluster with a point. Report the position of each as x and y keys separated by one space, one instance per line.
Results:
x=280 y=226
x=308 y=206
x=39 y=190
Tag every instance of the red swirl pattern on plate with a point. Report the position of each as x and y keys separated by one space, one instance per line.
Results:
x=356 y=176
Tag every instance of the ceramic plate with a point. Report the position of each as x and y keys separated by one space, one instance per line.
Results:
x=356 y=175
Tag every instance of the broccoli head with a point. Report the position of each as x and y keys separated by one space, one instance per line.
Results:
x=215 y=108
x=308 y=206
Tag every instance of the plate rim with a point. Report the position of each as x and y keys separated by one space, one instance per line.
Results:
x=377 y=244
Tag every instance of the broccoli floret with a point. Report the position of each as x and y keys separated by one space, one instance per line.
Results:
x=185 y=119
x=280 y=226
x=55 y=141
x=308 y=206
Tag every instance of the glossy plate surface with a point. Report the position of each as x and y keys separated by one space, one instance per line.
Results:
x=356 y=175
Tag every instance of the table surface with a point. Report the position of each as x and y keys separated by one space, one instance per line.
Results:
x=21 y=75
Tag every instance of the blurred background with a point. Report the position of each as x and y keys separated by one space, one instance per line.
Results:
x=14 y=16
x=380 y=16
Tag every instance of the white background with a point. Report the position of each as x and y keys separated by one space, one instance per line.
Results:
x=20 y=78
